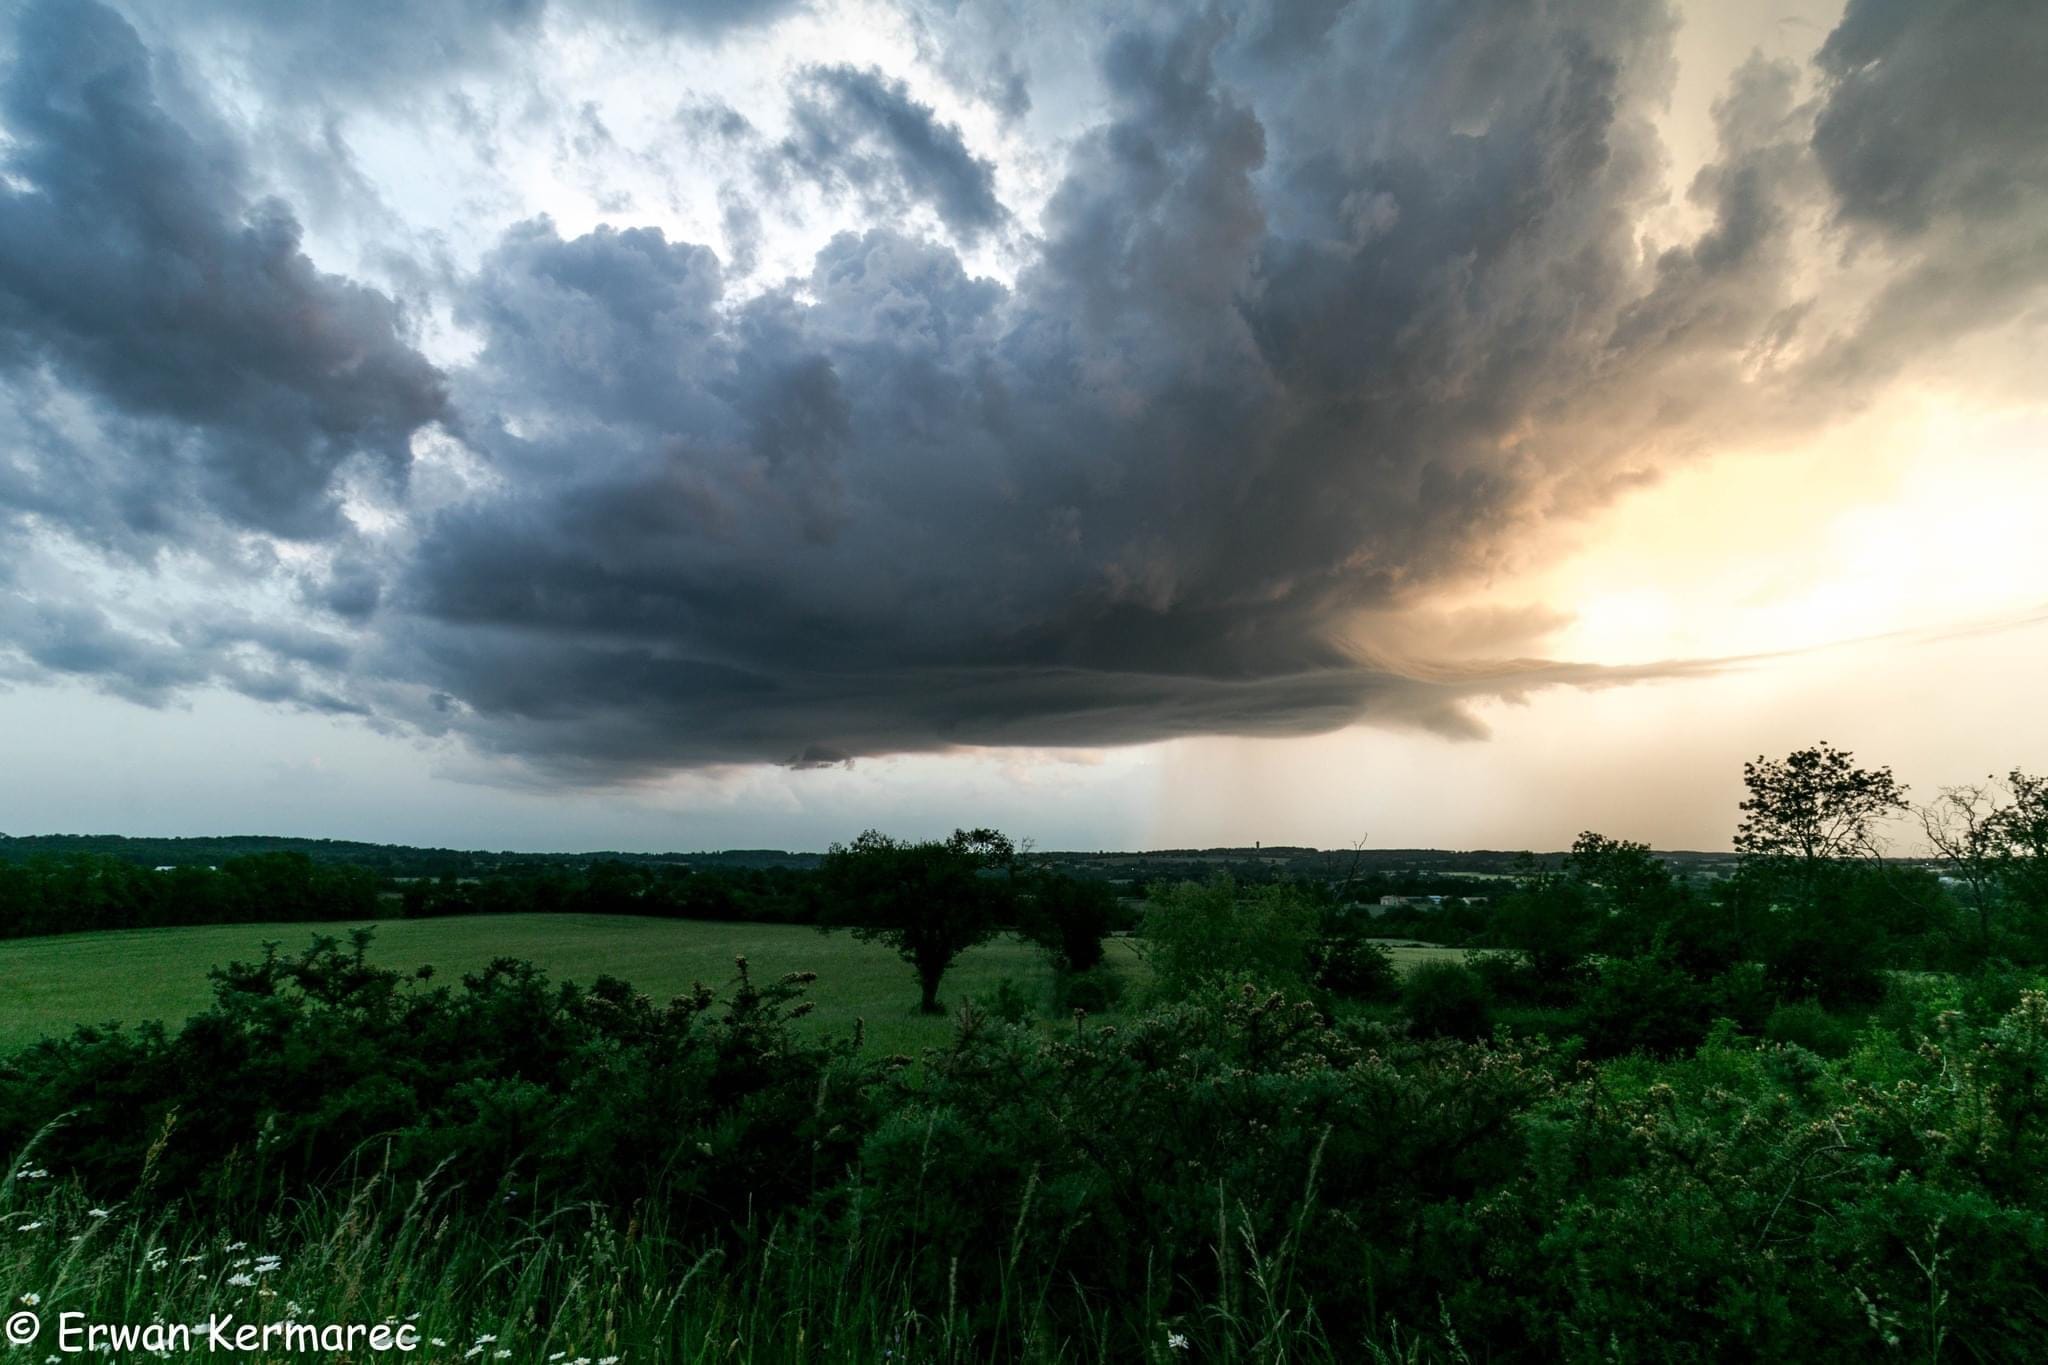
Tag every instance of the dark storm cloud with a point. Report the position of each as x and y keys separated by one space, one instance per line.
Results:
x=1133 y=498
x=344 y=50
x=1935 y=108
x=862 y=130
x=1330 y=309
x=137 y=268
x=1929 y=135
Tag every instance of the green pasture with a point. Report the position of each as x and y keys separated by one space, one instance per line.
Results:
x=49 y=985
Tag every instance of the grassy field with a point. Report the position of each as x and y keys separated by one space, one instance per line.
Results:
x=48 y=985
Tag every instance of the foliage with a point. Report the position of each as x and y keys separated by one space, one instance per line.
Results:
x=1066 y=917
x=1446 y=1000
x=1198 y=934
x=930 y=901
x=85 y=892
x=1814 y=806
x=585 y=1170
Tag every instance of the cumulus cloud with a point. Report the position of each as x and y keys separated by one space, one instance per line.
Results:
x=138 y=268
x=862 y=130
x=1328 y=309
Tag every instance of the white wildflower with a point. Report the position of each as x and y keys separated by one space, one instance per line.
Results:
x=1176 y=1342
x=242 y=1280
x=31 y=1299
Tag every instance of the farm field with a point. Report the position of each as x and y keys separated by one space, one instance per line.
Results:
x=49 y=985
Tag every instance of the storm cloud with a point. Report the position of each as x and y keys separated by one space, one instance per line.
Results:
x=1325 y=311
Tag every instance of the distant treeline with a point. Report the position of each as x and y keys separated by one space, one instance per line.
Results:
x=88 y=891
x=388 y=860
x=68 y=888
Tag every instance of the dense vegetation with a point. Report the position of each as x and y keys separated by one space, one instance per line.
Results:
x=1747 y=1120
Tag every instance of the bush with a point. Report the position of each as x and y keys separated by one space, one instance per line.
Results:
x=1643 y=1004
x=1099 y=990
x=1198 y=935
x=1807 y=1025
x=1446 y=1000
x=1011 y=1003
x=1507 y=977
x=1351 y=968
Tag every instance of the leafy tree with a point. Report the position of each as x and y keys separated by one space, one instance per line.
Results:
x=1446 y=1000
x=1814 y=807
x=1808 y=823
x=1067 y=917
x=930 y=901
x=1551 y=919
x=1200 y=933
x=2022 y=829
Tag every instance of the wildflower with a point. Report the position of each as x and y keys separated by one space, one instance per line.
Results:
x=31 y=1227
x=502 y=1353
x=26 y=1174
x=193 y=1259
x=472 y=1353
x=242 y=1280
x=234 y=1246
x=609 y=1360
x=1176 y=1342
x=266 y=1264
x=97 y=1213
x=437 y=1341
x=558 y=1355
x=31 y=1299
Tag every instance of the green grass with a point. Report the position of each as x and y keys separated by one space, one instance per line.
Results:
x=50 y=985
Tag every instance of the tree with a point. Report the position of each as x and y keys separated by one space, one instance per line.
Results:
x=1200 y=933
x=1067 y=917
x=930 y=901
x=1966 y=827
x=2022 y=829
x=1809 y=822
x=1551 y=919
x=1814 y=807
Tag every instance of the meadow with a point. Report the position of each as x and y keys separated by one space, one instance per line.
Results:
x=50 y=985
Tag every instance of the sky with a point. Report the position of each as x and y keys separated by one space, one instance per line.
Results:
x=674 y=424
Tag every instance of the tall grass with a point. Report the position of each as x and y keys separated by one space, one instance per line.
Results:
x=574 y=1284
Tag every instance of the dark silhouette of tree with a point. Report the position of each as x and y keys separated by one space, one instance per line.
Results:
x=1067 y=917
x=930 y=900
x=1807 y=838
x=1814 y=807
x=2022 y=833
x=1966 y=829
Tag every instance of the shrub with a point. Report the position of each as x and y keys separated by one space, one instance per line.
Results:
x=1197 y=935
x=1446 y=1000
x=1350 y=967
x=1807 y=1025
x=1099 y=990
x=1011 y=1003
x=1506 y=976
x=1643 y=1004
